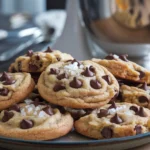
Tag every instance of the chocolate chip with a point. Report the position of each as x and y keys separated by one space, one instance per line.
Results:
x=14 y=107
x=110 y=57
x=88 y=72
x=142 y=74
x=4 y=92
x=143 y=99
x=134 y=108
x=113 y=105
x=7 y=115
x=33 y=67
x=58 y=87
x=107 y=79
x=26 y=124
x=116 y=96
x=124 y=57
x=88 y=111
x=116 y=119
x=138 y=129
x=143 y=86
x=92 y=69
x=107 y=132
x=37 y=101
x=77 y=114
x=58 y=58
x=30 y=53
x=49 y=50
x=6 y=79
x=62 y=76
x=37 y=57
x=19 y=66
x=138 y=17
x=75 y=83
x=48 y=110
x=141 y=112
x=102 y=113
x=54 y=71
x=74 y=60
x=61 y=109
x=95 y=84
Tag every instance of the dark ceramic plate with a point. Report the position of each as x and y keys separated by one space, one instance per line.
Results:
x=75 y=141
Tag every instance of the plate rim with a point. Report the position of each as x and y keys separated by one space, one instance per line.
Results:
x=93 y=141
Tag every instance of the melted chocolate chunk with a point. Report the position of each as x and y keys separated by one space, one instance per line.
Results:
x=143 y=86
x=113 y=105
x=143 y=99
x=33 y=67
x=7 y=115
x=26 y=124
x=4 y=92
x=54 y=71
x=95 y=84
x=116 y=119
x=48 y=110
x=124 y=57
x=77 y=114
x=107 y=79
x=30 y=53
x=38 y=101
x=49 y=50
x=19 y=66
x=107 y=132
x=102 y=113
x=110 y=57
x=141 y=112
x=74 y=60
x=142 y=74
x=58 y=87
x=62 y=76
x=58 y=58
x=37 y=57
x=75 y=83
x=14 y=107
x=88 y=72
x=134 y=108
x=6 y=79
x=92 y=69
x=138 y=129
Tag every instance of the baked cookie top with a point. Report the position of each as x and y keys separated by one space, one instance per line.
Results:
x=33 y=119
x=38 y=61
x=114 y=120
x=14 y=87
x=139 y=94
x=77 y=84
x=121 y=67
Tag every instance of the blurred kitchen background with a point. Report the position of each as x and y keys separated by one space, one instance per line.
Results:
x=83 y=28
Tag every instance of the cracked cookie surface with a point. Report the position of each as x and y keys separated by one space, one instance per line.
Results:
x=122 y=68
x=77 y=84
x=34 y=120
x=114 y=120
x=38 y=61
x=14 y=87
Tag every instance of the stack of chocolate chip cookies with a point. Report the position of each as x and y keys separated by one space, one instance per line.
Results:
x=45 y=94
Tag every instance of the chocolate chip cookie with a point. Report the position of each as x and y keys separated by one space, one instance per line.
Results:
x=38 y=61
x=32 y=120
x=114 y=120
x=139 y=94
x=14 y=87
x=121 y=67
x=77 y=84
